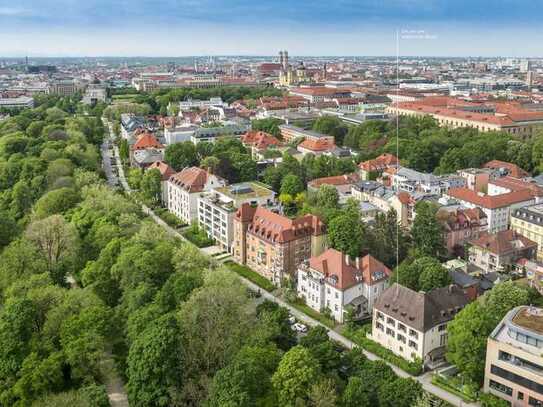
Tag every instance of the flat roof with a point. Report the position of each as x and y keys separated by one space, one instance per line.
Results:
x=530 y=318
x=257 y=190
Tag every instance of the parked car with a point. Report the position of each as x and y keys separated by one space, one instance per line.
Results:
x=298 y=327
x=291 y=320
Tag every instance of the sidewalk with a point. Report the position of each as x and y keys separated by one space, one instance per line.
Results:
x=424 y=380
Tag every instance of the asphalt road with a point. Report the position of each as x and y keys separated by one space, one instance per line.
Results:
x=424 y=380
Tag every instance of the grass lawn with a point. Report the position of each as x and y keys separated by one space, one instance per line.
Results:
x=359 y=337
x=251 y=275
x=449 y=386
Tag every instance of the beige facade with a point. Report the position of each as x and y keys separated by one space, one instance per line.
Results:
x=514 y=358
x=528 y=222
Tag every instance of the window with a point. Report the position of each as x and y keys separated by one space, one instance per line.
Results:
x=520 y=395
x=535 y=402
x=502 y=388
x=401 y=338
x=390 y=321
x=380 y=315
x=380 y=326
x=402 y=327
x=441 y=328
x=514 y=378
x=390 y=332
x=413 y=333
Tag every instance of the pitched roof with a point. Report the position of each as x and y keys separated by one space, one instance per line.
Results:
x=272 y=227
x=346 y=179
x=516 y=184
x=259 y=139
x=343 y=273
x=379 y=163
x=317 y=145
x=491 y=202
x=191 y=179
x=513 y=169
x=165 y=170
x=419 y=310
x=462 y=218
x=504 y=242
x=145 y=141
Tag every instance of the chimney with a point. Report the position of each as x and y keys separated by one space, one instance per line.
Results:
x=325 y=267
x=347 y=259
x=358 y=262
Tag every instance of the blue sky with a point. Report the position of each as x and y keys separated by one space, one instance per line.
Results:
x=262 y=27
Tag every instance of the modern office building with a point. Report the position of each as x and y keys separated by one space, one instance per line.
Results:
x=514 y=358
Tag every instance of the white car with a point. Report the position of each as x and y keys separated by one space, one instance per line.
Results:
x=291 y=320
x=299 y=327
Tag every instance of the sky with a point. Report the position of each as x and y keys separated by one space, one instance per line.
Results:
x=263 y=27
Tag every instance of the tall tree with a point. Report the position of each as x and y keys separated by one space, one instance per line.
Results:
x=427 y=232
x=181 y=155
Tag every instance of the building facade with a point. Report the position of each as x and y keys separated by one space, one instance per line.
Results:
x=413 y=324
x=528 y=222
x=514 y=358
x=334 y=282
x=184 y=189
x=273 y=245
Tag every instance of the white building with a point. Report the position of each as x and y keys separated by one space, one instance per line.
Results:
x=190 y=104
x=94 y=94
x=179 y=134
x=184 y=189
x=20 y=102
x=217 y=208
x=333 y=281
x=413 y=324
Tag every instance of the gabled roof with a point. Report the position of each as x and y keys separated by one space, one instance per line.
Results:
x=191 y=179
x=165 y=170
x=272 y=227
x=379 y=163
x=145 y=141
x=259 y=139
x=513 y=169
x=504 y=242
x=342 y=272
x=491 y=202
x=336 y=180
x=419 y=310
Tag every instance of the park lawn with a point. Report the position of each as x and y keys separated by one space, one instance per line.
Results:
x=251 y=275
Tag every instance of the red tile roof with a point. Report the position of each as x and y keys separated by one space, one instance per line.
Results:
x=347 y=273
x=491 y=202
x=191 y=179
x=165 y=170
x=259 y=139
x=504 y=242
x=379 y=163
x=513 y=169
x=516 y=184
x=335 y=180
x=146 y=141
x=272 y=227
x=317 y=145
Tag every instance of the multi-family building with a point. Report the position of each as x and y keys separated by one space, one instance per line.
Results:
x=217 y=208
x=505 y=168
x=290 y=133
x=514 y=358
x=20 y=102
x=184 y=189
x=496 y=207
x=413 y=324
x=372 y=169
x=332 y=281
x=274 y=245
x=528 y=222
x=146 y=150
x=500 y=251
x=258 y=142
x=460 y=226
x=316 y=147
x=94 y=93
x=129 y=124
x=165 y=173
x=342 y=183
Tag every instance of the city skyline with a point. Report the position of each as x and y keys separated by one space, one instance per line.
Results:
x=208 y=27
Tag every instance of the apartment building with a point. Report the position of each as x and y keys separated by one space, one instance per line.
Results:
x=290 y=133
x=496 y=207
x=371 y=169
x=514 y=358
x=184 y=189
x=460 y=226
x=217 y=208
x=274 y=245
x=500 y=251
x=146 y=151
x=335 y=282
x=342 y=183
x=413 y=324
x=528 y=222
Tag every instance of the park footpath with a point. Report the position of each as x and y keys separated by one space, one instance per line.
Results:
x=425 y=380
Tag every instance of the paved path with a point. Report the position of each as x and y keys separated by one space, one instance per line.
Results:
x=424 y=380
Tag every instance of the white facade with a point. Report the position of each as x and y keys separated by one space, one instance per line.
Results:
x=319 y=294
x=184 y=204
x=178 y=134
x=198 y=104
